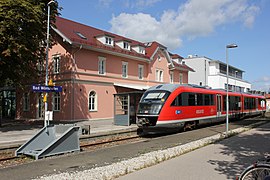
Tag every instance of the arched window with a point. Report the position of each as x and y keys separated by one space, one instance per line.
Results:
x=92 y=101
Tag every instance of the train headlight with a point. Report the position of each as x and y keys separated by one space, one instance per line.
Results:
x=156 y=108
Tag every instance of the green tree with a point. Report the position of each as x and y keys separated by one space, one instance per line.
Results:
x=23 y=28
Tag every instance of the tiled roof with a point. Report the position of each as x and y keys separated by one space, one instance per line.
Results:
x=182 y=66
x=70 y=29
x=78 y=33
x=176 y=56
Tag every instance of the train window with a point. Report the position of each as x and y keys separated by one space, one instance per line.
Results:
x=249 y=103
x=234 y=102
x=192 y=99
x=155 y=96
x=208 y=99
x=199 y=100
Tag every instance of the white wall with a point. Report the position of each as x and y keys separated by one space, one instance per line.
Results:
x=219 y=81
x=199 y=64
x=212 y=76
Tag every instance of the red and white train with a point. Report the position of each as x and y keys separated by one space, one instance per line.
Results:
x=186 y=106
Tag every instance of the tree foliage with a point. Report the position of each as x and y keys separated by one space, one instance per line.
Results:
x=23 y=28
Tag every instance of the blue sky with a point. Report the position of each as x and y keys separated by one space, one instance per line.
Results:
x=189 y=27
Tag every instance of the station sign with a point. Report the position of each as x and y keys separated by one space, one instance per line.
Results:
x=43 y=88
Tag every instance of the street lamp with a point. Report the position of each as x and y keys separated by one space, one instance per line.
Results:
x=227 y=90
x=47 y=56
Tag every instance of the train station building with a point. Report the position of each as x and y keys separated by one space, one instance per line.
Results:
x=102 y=75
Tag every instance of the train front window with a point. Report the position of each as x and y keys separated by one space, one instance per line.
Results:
x=152 y=102
x=155 y=96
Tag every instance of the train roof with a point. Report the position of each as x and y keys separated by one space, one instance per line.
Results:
x=172 y=87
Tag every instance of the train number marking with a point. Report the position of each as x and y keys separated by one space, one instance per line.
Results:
x=200 y=111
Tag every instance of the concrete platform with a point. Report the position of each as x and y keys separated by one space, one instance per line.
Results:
x=15 y=133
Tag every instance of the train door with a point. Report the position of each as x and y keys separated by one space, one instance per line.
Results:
x=219 y=108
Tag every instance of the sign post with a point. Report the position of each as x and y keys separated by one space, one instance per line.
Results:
x=46 y=89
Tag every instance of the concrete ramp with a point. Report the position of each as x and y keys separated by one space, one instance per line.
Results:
x=52 y=140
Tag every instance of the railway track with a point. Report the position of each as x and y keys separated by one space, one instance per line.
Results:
x=90 y=143
x=8 y=158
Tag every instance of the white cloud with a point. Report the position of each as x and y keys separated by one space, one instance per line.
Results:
x=139 y=3
x=105 y=3
x=262 y=84
x=192 y=19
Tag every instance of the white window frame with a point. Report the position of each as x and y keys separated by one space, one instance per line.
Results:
x=159 y=75
x=92 y=101
x=56 y=64
x=141 y=50
x=109 y=40
x=101 y=65
x=181 y=78
x=56 y=101
x=26 y=102
x=140 y=71
x=124 y=69
x=126 y=45
x=171 y=77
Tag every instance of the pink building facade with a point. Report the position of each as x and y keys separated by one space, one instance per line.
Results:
x=93 y=66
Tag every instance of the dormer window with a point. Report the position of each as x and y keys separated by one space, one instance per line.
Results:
x=123 y=44
x=126 y=45
x=139 y=49
x=108 y=40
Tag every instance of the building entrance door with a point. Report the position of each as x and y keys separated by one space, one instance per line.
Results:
x=7 y=104
x=40 y=106
x=125 y=107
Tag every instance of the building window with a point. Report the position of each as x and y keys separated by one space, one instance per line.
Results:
x=26 y=102
x=56 y=101
x=140 y=71
x=126 y=45
x=102 y=65
x=141 y=50
x=124 y=69
x=181 y=78
x=159 y=58
x=159 y=75
x=56 y=64
x=92 y=106
x=171 y=77
x=109 y=41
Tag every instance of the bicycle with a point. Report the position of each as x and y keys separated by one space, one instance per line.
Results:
x=260 y=170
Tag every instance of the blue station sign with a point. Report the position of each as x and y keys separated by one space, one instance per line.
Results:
x=43 y=88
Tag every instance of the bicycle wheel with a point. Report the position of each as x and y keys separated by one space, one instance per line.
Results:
x=256 y=172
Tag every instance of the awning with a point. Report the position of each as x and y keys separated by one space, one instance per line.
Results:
x=132 y=86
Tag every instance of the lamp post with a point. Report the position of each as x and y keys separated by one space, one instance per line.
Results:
x=47 y=56
x=227 y=90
